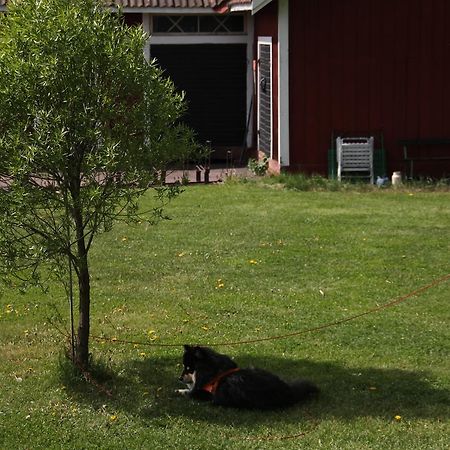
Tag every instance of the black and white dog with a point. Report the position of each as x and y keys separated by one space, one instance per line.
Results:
x=215 y=377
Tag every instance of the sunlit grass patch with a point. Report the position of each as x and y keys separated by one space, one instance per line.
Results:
x=239 y=262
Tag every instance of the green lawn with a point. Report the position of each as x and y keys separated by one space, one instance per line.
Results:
x=242 y=261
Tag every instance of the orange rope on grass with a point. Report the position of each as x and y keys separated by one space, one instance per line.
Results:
x=390 y=304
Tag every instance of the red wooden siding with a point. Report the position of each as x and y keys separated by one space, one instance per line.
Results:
x=367 y=65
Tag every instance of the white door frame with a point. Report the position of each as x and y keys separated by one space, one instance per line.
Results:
x=244 y=38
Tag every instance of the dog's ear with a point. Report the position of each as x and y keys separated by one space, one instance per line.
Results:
x=199 y=352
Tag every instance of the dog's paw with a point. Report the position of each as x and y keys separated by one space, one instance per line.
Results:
x=182 y=392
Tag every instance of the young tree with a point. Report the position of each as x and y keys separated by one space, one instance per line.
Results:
x=85 y=123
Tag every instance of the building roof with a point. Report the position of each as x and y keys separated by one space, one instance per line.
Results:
x=219 y=5
x=222 y=5
x=169 y=3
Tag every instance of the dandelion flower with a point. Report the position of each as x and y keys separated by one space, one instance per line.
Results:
x=398 y=418
x=253 y=261
x=152 y=335
x=112 y=418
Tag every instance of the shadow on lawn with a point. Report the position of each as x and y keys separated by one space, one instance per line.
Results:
x=147 y=388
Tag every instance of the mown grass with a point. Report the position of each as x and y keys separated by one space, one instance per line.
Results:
x=240 y=261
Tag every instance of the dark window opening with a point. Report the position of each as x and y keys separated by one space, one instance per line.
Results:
x=132 y=19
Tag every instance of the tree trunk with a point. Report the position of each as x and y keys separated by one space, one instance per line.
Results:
x=82 y=350
x=84 y=290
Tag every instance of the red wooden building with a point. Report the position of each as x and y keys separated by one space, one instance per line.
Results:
x=285 y=77
x=354 y=66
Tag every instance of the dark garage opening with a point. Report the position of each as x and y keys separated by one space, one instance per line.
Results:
x=213 y=76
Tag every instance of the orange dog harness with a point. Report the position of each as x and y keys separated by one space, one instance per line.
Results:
x=211 y=387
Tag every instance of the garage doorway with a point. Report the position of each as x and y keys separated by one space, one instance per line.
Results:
x=214 y=78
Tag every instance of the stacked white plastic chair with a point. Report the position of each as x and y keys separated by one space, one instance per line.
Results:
x=355 y=157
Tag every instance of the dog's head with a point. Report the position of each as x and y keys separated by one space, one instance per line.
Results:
x=191 y=357
x=201 y=360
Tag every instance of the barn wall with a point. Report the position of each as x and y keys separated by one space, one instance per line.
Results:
x=367 y=65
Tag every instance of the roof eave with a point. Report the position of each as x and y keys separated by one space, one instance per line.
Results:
x=169 y=10
x=241 y=8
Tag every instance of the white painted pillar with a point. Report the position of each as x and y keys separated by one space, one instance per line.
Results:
x=146 y=24
x=283 y=83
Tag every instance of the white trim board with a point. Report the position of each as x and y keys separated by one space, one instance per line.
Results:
x=159 y=39
x=283 y=83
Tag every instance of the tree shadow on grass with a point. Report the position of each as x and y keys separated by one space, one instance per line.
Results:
x=146 y=388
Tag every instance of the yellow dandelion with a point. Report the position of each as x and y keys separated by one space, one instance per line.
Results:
x=112 y=418
x=152 y=335
x=142 y=354
x=253 y=261
x=124 y=239
x=398 y=418
x=181 y=254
